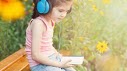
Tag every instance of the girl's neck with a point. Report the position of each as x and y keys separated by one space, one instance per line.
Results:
x=48 y=19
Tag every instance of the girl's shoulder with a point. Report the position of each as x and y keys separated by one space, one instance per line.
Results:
x=37 y=23
x=37 y=20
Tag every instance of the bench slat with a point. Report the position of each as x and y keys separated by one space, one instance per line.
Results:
x=12 y=60
x=19 y=65
x=27 y=68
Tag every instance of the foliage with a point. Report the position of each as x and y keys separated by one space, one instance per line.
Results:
x=12 y=33
x=12 y=36
x=90 y=22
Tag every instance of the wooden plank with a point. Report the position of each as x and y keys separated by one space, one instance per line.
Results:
x=11 y=59
x=18 y=65
x=27 y=68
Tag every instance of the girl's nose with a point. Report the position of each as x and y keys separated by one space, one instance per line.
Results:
x=63 y=15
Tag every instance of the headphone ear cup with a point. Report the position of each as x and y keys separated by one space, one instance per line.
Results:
x=40 y=7
x=47 y=7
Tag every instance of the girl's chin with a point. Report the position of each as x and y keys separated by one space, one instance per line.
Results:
x=57 y=21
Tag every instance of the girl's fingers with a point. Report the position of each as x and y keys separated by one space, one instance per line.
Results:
x=71 y=65
x=68 y=61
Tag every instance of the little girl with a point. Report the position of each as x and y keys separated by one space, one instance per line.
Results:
x=41 y=54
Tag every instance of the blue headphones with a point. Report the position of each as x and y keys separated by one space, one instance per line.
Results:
x=43 y=6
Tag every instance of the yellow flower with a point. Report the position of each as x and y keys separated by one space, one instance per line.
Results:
x=102 y=47
x=0 y=7
x=95 y=8
x=25 y=0
x=81 y=39
x=106 y=1
x=33 y=4
x=85 y=48
x=30 y=11
x=12 y=10
x=102 y=13
x=90 y=0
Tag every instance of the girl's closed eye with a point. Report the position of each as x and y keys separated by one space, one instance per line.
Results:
x=61 y=10
x=67 y=11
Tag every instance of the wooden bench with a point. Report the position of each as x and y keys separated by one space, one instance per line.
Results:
x=18 y=62
x=15 y=62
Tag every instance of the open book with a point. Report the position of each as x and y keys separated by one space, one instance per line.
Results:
x=75 y=59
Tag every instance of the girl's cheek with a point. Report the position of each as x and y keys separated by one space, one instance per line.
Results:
x=57 y=13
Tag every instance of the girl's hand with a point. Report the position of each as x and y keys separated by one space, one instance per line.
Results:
x=66 y=64
x=60 y=55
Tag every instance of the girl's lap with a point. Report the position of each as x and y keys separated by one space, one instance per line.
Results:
x=50 y=68
x=42 y=67
x=46 y=68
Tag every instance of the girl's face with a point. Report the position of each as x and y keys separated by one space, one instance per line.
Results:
x=59 y=12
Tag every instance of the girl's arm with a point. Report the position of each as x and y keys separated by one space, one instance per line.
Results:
x=38 y=28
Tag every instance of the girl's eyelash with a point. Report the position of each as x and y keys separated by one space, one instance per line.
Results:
x=67 y=11
x=63 y=11
x=60 y=10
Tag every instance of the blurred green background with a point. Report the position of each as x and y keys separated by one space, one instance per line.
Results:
x=90 y=22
